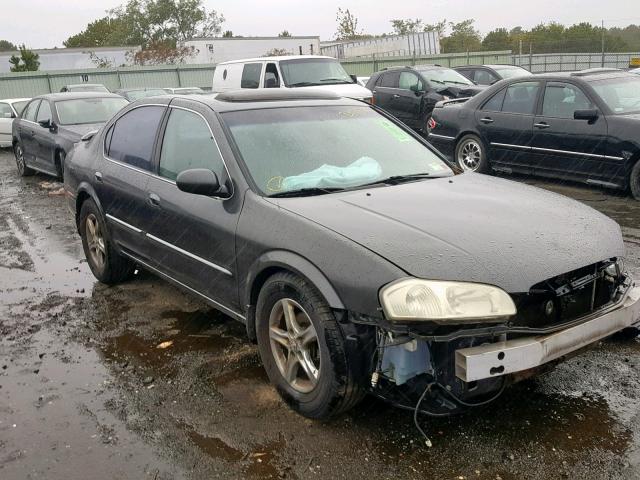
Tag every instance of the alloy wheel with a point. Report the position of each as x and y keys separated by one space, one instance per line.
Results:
x=95 y=241
x=470 y=155
x=294 y=345
x=20 y=159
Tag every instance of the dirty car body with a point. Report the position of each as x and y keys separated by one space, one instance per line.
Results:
x=284 y=218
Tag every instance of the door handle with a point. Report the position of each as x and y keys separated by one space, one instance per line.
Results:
x=98 y=176
x=486 y=120
x=395 y=95
x=541 y=125
x=154 y=199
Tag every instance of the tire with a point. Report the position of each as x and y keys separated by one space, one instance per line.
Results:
x=336 y=387
x=470 y=154
x=628 y=333
x=107 y=265
x=60 y=159
x=634 y=181
x=23 y=170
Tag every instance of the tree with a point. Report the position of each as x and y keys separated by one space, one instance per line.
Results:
x=104 y=32
x=440 y=27
x=26 y=62
x=463 y=38
x=347 y=25
x=284 y=33
x=498 y=39
x=100 y=62
x=227 y=34
x=160 y=53
x=403 y=27
x=7 y=46
x=275 y=52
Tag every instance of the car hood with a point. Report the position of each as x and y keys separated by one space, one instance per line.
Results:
x=470 y=227
x=348 y=90
x=75 y=132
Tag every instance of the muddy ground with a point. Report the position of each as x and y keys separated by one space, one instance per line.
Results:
x=85 y=392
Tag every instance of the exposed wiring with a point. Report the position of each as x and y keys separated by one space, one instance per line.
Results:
x=427 y=440
x=478 y=404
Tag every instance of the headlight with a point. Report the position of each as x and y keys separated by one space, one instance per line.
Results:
x=413 y=299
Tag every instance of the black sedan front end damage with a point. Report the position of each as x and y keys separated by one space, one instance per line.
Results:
x=447 y=368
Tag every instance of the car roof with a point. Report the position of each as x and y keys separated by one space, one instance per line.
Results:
x=277 y=58
x=586 y=75
x=250 y=99
x=138 y=89
x=84 y=85
x=491 y=65
x=77 y=95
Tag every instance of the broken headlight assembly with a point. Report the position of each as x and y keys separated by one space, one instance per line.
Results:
x=444 y=302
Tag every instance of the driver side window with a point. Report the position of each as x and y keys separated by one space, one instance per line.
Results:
x=30 y=112
x=44 y=112
x=410 y=81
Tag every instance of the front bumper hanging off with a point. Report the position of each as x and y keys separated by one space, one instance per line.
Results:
x=501 y=358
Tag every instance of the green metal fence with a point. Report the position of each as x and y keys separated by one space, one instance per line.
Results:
x=366 y=66
x=29 y=84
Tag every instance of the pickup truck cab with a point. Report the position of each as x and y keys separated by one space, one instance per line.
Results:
x=299 y=71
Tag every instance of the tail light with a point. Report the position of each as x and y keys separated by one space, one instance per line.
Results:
x=431 y=123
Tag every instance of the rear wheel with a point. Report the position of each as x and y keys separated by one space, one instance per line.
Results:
x=105 y=262
x=60 y=158
x=303 y=348
x=23 y=170
x=634 y=181
x=471 y=155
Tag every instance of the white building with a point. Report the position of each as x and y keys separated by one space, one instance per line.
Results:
x=421 y=43
x=73 y=58
x=222 y=49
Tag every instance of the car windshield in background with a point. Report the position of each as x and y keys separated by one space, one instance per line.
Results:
x=621 y=94
x=88 y=110
x=292 y=149
x=307 y=72
x=89 y=88
x=19 y=106
x=138 y=94
x=511 y=72
x=444 y=76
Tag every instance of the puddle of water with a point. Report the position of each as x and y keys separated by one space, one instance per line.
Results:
x=216 y=448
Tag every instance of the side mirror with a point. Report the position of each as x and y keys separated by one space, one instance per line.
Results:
x=415 y=89
x=46 y=124
x=354 y=78
x=590 y=115
x=200 y=181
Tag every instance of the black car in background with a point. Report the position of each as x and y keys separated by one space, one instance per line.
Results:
x=583 y=126
x=302 y=215
x=411 y=93
x=51 y=124
x=490 y=74
x=85 y=87
x=133 y=94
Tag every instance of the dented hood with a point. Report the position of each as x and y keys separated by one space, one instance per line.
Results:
x=470 y=227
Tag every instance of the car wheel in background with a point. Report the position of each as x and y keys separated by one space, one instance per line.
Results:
x=303 y=349
x=634 y=181
x=23 y=170
x=60 y=158
x=107 y=265
x=470 y=154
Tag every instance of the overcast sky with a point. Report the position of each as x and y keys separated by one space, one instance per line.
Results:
x=46 y=23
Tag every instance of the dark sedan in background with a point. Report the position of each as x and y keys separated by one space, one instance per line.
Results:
x=411 y=93
x=51 y=124
x=350 y=250
x=490 y=74
x=133 y=94
x=583 y=126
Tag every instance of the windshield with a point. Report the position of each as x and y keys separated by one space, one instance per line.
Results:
x=88 y=88
x=88 y=110
x=287 y=149
x=511 y=72
x=137 y=94
x=307 y=72
x=621 y=94
x=19 y=106
x=444 y=76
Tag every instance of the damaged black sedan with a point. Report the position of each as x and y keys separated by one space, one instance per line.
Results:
x=355 y=256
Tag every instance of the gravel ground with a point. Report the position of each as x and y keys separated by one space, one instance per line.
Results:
x=86 y=391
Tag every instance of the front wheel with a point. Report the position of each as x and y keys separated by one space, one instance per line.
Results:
x=634 y=181
x=303 y=348
x=107 y=265
x=471 y=155
x=23 y=170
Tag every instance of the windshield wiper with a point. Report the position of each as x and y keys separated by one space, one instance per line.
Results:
x=458 y=83
x=339 y=80
x=396 y=179
x=306 y=192
x=304 y=84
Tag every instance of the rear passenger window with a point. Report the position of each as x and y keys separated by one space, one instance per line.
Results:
x=390 y=80
x=251 y=75
x=30 y=112
x=133 y=136
x=495 y=103
x=521 y=98
x=187 y=144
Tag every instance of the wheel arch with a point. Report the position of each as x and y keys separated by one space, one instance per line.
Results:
x=283 y=261
x=86 y=192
